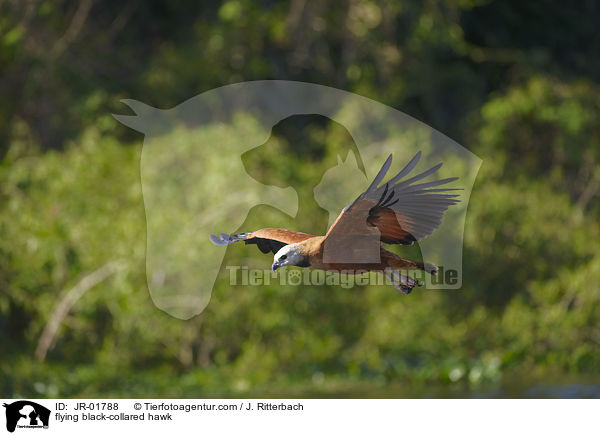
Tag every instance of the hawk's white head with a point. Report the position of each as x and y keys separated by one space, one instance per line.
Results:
x=290 y=255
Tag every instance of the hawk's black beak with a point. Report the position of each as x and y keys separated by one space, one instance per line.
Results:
x=276 y=266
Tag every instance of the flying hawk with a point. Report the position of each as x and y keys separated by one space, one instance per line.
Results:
x=398 y=212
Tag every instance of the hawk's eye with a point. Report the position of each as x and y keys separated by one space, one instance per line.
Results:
x=283 y=257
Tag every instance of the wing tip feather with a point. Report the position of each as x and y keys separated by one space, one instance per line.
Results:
x=217 y=241
x=226 y=239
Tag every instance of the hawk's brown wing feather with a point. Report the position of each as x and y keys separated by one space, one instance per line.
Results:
x=403 y=212
x=394 y=227
x=267 y=239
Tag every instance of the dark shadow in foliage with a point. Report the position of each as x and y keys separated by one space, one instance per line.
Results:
x=548 y=34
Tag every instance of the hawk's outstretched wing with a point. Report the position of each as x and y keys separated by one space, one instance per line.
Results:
x=267 y=239
x=402 y=211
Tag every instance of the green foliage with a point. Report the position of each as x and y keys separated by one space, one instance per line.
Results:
x=526 y=101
